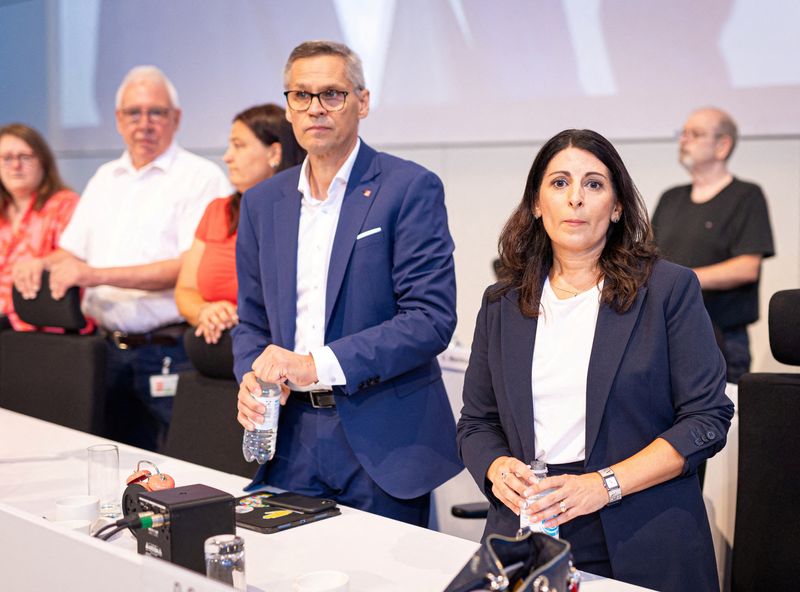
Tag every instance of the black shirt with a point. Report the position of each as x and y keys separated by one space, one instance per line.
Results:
x=732 y=223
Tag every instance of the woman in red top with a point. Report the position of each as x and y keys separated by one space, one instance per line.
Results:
x=35 y=206
x=261 y=143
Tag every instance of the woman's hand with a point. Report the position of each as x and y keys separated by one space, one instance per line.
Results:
x=510 y=477
x=27 y=277
x=214 y=318
x=574 y=495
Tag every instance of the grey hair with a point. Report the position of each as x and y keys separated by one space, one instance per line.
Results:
x=150 y=74
x=310 y=49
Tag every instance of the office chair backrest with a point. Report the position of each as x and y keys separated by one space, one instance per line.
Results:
x=44 y=311
x=765 y=555
x=211 y=360
x=784 y=326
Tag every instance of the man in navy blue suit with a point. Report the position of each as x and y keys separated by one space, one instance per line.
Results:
x=346 y=295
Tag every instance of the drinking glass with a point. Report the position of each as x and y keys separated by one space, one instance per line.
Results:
x=104 y=481
x=225 y=560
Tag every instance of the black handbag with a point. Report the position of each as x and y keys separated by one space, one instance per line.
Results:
x=535 y=562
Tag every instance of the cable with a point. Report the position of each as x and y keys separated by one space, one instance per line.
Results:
x=106 y=527
x=136 y=521
x=113 y=532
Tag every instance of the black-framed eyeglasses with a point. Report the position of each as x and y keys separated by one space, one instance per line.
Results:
x=153 y=115
x=331 y=99
x=24 y=159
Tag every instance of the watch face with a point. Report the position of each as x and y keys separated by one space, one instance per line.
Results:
x=612 y=482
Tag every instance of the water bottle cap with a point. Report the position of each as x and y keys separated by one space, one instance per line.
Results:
x=268 y=387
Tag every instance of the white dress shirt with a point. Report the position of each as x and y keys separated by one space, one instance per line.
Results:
x=564 y=338
x=131 y=217
x=318 y=221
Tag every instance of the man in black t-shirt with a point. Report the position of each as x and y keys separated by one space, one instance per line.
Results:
x=719 y=226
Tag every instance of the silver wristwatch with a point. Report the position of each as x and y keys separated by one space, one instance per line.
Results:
x=612 y=485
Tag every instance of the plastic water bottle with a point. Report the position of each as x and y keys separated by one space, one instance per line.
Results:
x=259 y=444
x=540 y=472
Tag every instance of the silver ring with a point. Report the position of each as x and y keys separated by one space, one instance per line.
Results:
x=562 y=506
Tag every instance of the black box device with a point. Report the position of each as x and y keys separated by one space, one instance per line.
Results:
x=194 y=513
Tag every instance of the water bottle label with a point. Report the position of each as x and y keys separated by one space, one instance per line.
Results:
x=273 y=407
x=551 y=530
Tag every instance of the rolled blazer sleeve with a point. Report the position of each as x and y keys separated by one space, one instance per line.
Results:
x=697 y=373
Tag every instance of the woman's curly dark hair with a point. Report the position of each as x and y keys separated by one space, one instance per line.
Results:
x=526 y=254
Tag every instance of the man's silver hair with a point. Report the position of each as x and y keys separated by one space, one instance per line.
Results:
x=150 y=74
x=310 y=49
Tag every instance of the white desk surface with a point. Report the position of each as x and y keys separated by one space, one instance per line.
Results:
x=40 y=462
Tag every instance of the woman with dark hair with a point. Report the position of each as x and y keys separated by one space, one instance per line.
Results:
x=261 y=144
x=596 y=357
x=35 y=208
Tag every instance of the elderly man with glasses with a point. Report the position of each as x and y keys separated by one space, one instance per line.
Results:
x=346 y=296
x=135 y=219
x=719 y=226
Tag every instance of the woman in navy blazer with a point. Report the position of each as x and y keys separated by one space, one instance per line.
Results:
x=595 y=356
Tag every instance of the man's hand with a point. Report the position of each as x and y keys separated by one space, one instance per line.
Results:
x=250 y=410
x=66 y=273
x=276 y=364
x=27 y=277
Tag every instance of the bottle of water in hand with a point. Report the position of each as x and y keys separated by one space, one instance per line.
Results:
x=259 y=444
x=540 y=472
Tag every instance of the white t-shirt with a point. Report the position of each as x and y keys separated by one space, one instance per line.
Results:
x=134 y=217
x=564 y=336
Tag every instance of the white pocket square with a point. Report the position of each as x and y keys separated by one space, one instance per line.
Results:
x=368 y=233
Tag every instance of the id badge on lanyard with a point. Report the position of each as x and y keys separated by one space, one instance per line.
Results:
x=166 y=383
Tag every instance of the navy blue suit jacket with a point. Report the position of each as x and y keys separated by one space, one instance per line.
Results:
x=390 y=309
x=655 y=371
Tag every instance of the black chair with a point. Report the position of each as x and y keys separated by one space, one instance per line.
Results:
x=765 y=551
x=472 y=511
x=204 y=429
x=56 y=377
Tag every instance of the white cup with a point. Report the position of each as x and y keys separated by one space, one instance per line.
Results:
x=77 y=507
x=75 y=525
x=322 y=581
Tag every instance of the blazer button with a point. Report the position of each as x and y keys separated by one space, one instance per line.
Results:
x=710 y=435
x=698 y=441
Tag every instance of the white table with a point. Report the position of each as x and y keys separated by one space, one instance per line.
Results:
x=40 y=462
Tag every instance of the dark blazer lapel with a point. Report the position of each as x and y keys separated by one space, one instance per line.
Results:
x=285 y=226
x=360 y=194
x=611 y=336
x=518 y=333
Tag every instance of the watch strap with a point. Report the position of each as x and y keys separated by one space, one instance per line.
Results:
x=611 y=484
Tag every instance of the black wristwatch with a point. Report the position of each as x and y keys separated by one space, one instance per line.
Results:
x=612 y=486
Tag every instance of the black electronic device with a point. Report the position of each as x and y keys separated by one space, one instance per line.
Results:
x=257 y=512
x=192 y=513
x=301 y=503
